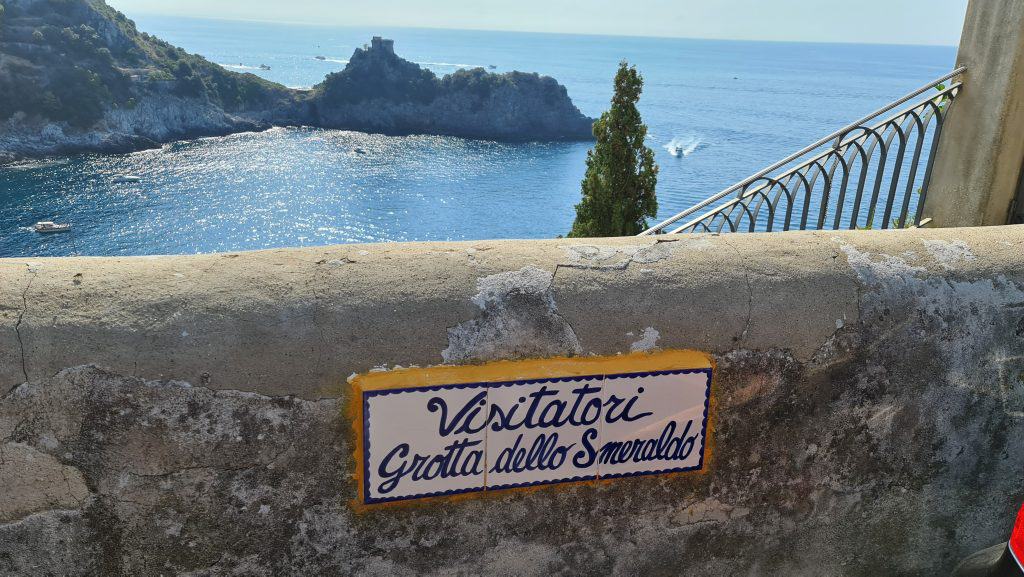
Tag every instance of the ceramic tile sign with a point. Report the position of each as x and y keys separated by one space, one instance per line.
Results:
x=450 y=430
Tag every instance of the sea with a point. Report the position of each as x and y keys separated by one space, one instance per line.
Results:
x=717 y=111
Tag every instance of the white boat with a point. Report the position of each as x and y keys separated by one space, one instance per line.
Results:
x=127 y=178
x=50 y=226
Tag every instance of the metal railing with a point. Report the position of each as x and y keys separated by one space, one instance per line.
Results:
x=861 y=176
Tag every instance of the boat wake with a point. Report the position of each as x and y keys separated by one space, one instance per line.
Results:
x=35 y=164
x=683 y=146
x=240 y=67
x=450 y=65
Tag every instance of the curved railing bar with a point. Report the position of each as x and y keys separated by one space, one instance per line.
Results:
x=784 y=188
x=940 y=121
x=897 y=169
x=920 y=126
x=809 y=197
x=891 y=130
x=765 y=193
x=933 y=111
x=865 y=157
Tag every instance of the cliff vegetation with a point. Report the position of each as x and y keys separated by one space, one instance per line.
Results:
x=83 y=58
x=77 y=75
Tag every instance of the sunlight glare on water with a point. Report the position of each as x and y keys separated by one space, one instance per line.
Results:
x=717 y=111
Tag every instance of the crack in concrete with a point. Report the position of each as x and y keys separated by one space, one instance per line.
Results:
x=750 y=291
x=20 y=520
x=633 y=255
x=67 y=483
x=17 y=428
x=628 y=252
x=227 y=469
x=555 y=313
x=21 y=317
x=859 y=289
x=316 y=316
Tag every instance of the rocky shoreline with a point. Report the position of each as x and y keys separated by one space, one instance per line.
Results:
x=80 y=78
x=152 y=126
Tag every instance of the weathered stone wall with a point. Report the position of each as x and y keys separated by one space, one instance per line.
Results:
x=183 y=415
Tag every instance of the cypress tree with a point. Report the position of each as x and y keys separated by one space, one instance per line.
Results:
x=618 y=188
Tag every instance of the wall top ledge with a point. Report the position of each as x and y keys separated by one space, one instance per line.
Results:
x=300 y=321
x=998 y=234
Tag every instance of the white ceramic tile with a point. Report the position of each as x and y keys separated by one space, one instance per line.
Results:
x=669 y=403
x=555 y=451
x=403 y=430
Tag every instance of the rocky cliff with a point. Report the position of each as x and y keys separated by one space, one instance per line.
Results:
x=76 y=75
x=380 y=92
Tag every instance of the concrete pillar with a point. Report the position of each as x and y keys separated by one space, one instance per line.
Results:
x=977 y=172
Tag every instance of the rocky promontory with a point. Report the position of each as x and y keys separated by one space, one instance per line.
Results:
x=78 y=76
x=378 y=91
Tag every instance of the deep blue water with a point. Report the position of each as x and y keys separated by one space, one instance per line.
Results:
x=736 y=106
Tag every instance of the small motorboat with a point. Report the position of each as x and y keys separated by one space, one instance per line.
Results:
x=321 y=58
x=50 y=226
x=359 y=150
x=127 y=178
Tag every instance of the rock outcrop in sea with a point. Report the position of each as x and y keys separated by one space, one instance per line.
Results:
x=78 y=76
x=378 y=91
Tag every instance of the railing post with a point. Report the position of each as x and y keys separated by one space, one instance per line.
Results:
x=980 y=153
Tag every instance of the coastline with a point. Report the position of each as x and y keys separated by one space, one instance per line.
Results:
x=35 y=146
x=117 y=89
x=117 y=143
x=31 y=143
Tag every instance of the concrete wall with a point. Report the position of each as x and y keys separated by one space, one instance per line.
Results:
x=980 y=157
x=183 y=415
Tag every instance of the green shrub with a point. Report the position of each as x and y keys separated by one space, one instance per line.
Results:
x=82 y=96
x=190 y=87
x=160 y=76
x=81 y=76
x=69 y=36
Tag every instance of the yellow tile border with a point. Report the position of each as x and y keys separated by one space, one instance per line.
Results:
x=520 y=370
